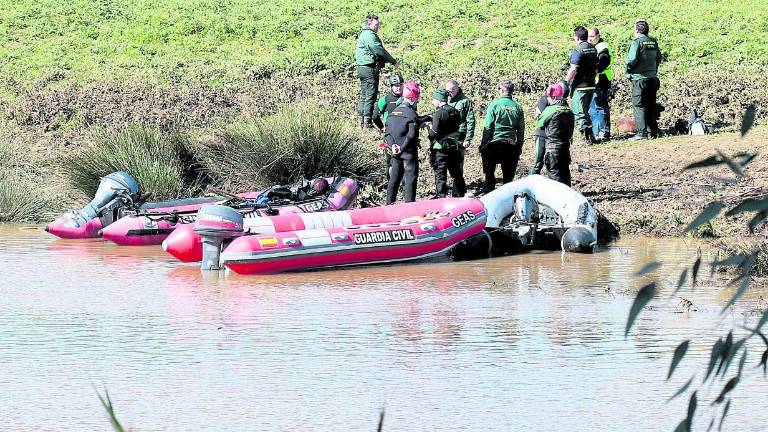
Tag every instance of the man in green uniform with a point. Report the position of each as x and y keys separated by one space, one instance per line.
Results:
x=557 y=120
x=370 y=56
x=599 y=109
x=581 y=76
x=446 y=155
x=465 y=107
x=388 y=102
x=642 y=67
x=503 y=137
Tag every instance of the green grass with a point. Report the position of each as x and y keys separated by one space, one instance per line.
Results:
x=162 y=163
x=222 y=40
x=297 y=141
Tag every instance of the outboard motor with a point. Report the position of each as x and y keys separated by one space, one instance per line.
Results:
x=113 y=189
x=526 y=217
x=578 y=239
x=215 y=224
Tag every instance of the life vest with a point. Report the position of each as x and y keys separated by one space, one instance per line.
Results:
x=608 y=72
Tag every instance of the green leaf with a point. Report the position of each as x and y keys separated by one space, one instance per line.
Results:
x=648 y=268
x=682 y=389
x=749 y=205
x=678 y=356
x=756 y=220
x=691 y=409
x=683 y=426
x=762 y=321
x=107 y=404
x=695 y=270
x=747 y=120
x=714 y=357
x=711 y=423
x=764 y=361
x=743 y=361
x=731 y=354
x=745 y=280
x=710 y=161
x=681 y=281
x=730 y=385
x=381 y=421
x=709 y=213
x=733 y=166
x=725 y=413
x=731 y=261
x=727 y=347
x=645 y=295
x=745 y=158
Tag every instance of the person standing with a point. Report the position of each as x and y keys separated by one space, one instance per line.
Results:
x=503 y=136
x=401 y=134
x=642 y=66
x=581 y=77
x=465 y=107
x=388 y=102
x=599 y=109
x=539 y=136
x=370 y=57
x=446 y=154
x=557 y=120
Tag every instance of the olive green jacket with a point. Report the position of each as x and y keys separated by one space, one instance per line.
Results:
x=504 y=119
x=369 y=49
x=465 y=107
x=643 y=58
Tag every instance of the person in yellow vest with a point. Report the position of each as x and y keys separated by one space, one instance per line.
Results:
x=599 y=109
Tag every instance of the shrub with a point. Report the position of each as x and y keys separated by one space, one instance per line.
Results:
x=296 y=142
x=162 y=163
x=17 y=204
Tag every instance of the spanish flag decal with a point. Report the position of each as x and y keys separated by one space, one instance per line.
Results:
x=268 y=242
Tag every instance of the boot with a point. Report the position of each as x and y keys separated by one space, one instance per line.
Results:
x=588 y=136
x=639 y=136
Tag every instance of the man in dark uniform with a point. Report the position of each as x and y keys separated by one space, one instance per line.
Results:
x=503 y=137
x=388 y=102
x=557 y=120
x=581 y=76
x=599 y=109
x=401 y=134
x=370 y=56
x=642 y=67
x=446 y=154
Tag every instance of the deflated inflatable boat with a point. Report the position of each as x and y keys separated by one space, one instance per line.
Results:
x=152 y=226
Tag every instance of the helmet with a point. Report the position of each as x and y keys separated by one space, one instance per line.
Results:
x=555 y=91
x=320 y=185
x=395 y=79
x=412 y=90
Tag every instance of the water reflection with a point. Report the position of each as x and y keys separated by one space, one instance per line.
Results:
x=502 y=344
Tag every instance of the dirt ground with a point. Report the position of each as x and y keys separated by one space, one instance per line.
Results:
x=641 y=186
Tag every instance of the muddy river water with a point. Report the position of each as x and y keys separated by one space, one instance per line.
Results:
x=533 y=342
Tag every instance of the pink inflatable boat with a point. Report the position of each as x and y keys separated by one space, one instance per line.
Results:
x=152 y=226
x=116 y=196
x=308 y=241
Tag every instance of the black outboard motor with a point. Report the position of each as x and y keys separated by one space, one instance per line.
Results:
x=215 y=224
x=114 y=190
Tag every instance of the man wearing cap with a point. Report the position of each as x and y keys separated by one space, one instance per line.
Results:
x=557 y=120
x=401 y=134
x=642 y=67
x=581 y=76
x=370 y=56
x=446 y=154
x=388 y=102
x=503 y=136
x=599 y=110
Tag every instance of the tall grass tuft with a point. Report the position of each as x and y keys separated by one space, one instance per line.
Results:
x=297 y=141
x=17 y=204
x=163 y=163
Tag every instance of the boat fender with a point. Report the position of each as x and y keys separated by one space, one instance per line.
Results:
x=111 y=188
x=578 y=239
x=215 y=224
